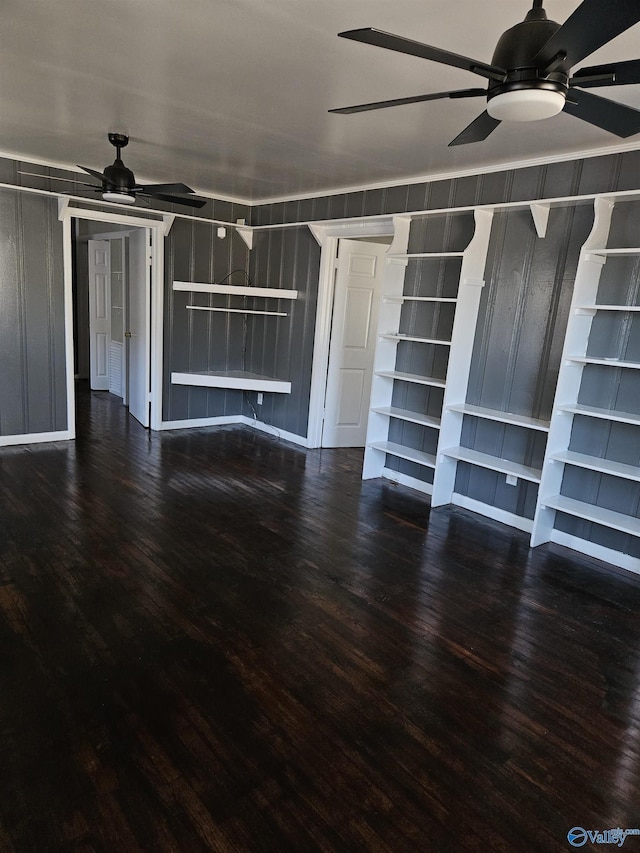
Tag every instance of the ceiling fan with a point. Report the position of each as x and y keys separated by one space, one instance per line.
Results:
x=530 y=73
x=118 y=184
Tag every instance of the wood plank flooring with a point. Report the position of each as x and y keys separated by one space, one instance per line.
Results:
x=211 y=640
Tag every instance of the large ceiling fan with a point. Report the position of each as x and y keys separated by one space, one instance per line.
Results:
x=117 y=183
x=530 y=73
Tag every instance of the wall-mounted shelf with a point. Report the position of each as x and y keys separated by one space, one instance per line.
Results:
x=238 y=379
x=399 y=336
x=603 y=414
x=401 y=256
x=235 y=290
x=236 y=311
x=404 y=298
x=596 y=463
x=609 y=362
x=596 y=514
x=419 y=457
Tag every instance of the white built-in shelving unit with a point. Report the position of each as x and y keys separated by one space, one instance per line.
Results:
x=606 y=502
x=230 y=379
x=586 y=496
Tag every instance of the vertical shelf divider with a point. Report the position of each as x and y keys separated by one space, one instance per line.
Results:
x=464 y=324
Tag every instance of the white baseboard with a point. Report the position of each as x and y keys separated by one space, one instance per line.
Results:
x=276 y=432
x=405 y=480
x=193 y=423
x=493 y=512
x=223 y=420
x=616 y=558
x=36 y=437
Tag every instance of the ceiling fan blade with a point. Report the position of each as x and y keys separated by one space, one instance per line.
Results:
x=369 y=35
x=175 y=199
x=478 y=130
x=98 y=175
x=609 y=115
x=594 y=23
x=163 y=188
x=613 y=74
x=416 y=99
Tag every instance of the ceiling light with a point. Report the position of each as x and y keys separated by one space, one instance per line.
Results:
x=526 y=105
x=119 y=198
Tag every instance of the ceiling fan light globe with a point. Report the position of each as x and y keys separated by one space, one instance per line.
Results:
x=118 y=198
x=526 y=105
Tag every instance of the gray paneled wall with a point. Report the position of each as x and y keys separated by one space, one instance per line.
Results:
x=32 y=336
x=282 y=347
x=202 y=340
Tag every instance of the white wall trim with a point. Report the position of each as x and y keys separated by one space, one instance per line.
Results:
x=607 y=555
x=274 y=431
x=494 y=512
x=406 y=480
x=66 y=213
x=36 y=437
x=618 y=148
x=242 y=420
x=328 y=238
x=195 y=423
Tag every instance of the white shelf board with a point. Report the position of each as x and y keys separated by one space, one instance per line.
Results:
x=604 y=414
x=501 y=417
x=407 y=415
x=237 y=311
x=596 y=307
x=598 y=515
x=410 y=255
x=609 y=362
x=494 y=463
x=404 y=298
x=595 y=463
x=391 y=336
x=630 y=250
x=232 y=379
x=408 y=453
x=235 y=290
x=412 y=377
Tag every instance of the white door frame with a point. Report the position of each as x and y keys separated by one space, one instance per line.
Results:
x=160 y=228
x=328 y=236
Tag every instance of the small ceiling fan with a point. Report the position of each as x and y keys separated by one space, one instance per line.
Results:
x=118 y=184
x=530 y=73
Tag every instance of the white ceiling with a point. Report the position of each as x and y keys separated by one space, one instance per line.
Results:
x=231 y=96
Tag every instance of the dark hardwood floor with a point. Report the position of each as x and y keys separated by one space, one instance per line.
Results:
x=211 y=640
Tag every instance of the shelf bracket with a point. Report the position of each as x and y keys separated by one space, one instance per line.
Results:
x=540 y=213
x=247 y=236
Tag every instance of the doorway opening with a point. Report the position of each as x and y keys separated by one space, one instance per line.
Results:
x=357 y=294
x=111 y=297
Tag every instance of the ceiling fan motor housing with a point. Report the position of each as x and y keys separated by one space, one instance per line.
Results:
x=527 y=93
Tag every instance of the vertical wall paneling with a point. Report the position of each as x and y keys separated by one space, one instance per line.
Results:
x=32 y=318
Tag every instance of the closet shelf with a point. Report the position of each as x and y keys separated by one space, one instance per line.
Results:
x=500 y=416
x=605 y=414
x=596 y=514
x=609 y=362
x=416 y=378
x=391 y=336
x=494 y=463
x=407 y=415
x=596 y=463
x=238 y=379
x=235 y=290
x=402 y=452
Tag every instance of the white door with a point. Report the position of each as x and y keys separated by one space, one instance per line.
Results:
x=137 y=333
x=99 y=314
x=353 y=339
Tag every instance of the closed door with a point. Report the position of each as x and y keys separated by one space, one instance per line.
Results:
x=137 y=334
x=99 y=314
x=355 y=318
